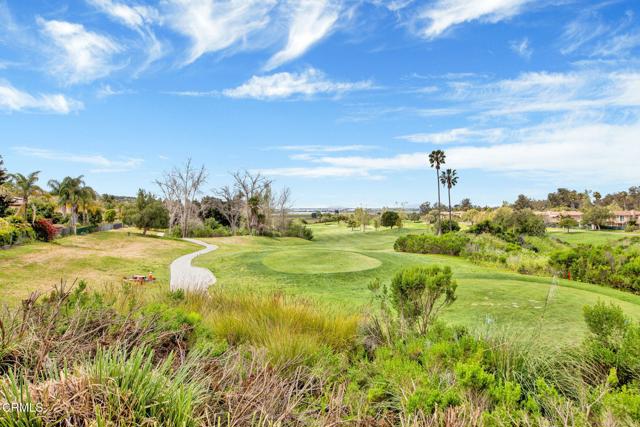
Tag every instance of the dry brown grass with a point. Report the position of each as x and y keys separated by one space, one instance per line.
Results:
x=99 y=259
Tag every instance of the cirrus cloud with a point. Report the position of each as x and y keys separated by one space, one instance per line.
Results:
x=78 y=55
x=285 y=85
x=12 y=99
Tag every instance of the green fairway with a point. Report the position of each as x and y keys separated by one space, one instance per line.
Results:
x=600 y=237
x=488 y=298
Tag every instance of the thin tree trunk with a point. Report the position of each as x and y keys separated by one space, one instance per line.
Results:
x=438 y=183
x=449 y=191
x=25 y=200
x=74 y=218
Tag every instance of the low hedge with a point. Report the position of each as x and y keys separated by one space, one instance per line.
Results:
x=447 y=244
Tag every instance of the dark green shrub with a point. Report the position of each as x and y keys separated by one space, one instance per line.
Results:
x=299 y=230
x=614 y=341
x=486 y=226
x=389 y=219
x=418 y=293
x=447 y=244
x=449 y=226
x=614 y=266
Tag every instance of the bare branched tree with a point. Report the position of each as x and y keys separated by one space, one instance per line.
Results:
x=253 y=189
x=229 y=203
x=179 y=187
x=283 y=204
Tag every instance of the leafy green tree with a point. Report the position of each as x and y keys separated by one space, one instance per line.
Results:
x=567 y=222
x=376 y=222
x=522 y=202
x=449 y=179
x=151 y=212
x=597 y=216
x=352 y=223
x=26 y=187
x=525 y=221
x=109 y=215
x=436 y=160
x=465 y=204
x=419 y=293
x=389 y=218
x=425 y=208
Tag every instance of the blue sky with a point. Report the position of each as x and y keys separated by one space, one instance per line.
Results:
x=339 y=100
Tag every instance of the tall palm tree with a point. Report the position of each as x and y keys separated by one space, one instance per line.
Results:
x=86 y=197
x=26 y=186
x=436 y=159
x=69 y=193
x=449 y=178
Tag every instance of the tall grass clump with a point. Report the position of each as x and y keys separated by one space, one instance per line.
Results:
x=289 y=328
x=135 y=389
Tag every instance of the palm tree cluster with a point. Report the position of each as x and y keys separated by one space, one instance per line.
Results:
x=26 y=186
x=74 y=194
x=448 y=178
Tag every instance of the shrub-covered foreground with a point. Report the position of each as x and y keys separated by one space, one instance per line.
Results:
x=243 y=359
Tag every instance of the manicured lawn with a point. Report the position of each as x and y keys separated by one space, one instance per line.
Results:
x=99 y=258
x=600 y=237
x=488 y=298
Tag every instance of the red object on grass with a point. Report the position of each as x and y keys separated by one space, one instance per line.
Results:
x=45 y=230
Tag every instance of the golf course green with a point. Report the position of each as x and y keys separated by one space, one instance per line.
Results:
x=335 y=268
x=319 y=261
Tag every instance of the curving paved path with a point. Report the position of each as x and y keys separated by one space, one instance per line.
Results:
x=190 y=278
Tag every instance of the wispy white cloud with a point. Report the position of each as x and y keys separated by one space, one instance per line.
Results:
x=457 y=135
x=79 y=55
x=97 y=162
x=213 y=26
x=579 y=32
x=592 y=35
x=357 y=113
x=325 y=148
x=310 y=22
x=138 y=18
x=135 y=17
x=620 y=45
x=439 y=16
x=542 y=92
x=522 y=48
x=321 y=172
x=560 y=150
x=194 y=93
x=106 y=91
x=12 y=99
x=284 y=85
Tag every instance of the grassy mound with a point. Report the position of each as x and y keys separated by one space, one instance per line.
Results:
x=319 y=262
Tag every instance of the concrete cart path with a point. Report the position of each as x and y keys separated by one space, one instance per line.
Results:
x=190 y=278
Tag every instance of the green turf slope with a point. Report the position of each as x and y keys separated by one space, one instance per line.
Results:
x=488 y=298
